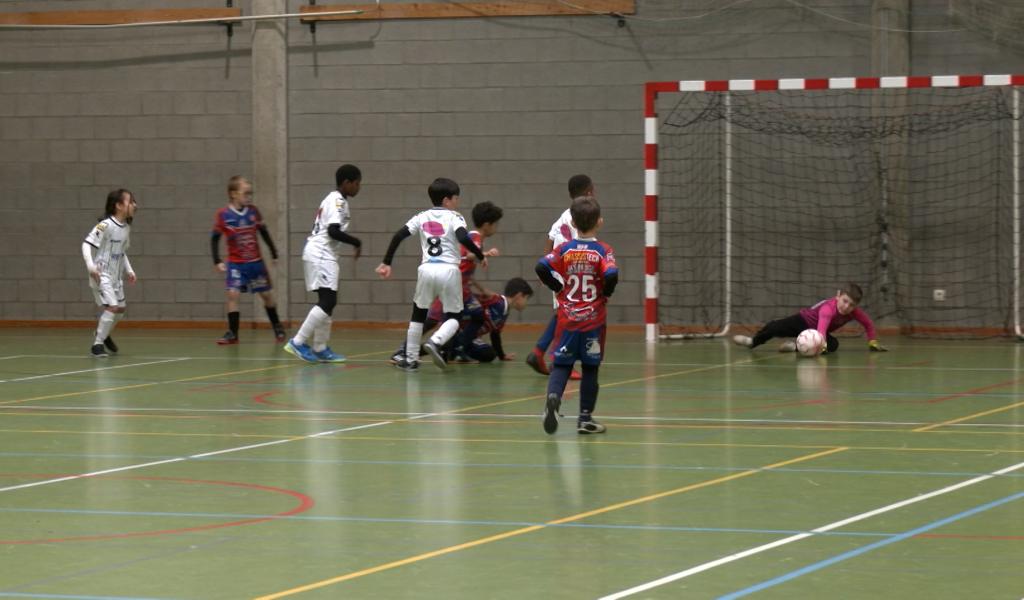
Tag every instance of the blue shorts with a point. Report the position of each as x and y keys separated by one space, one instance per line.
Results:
x=584 y=346
x=248 y=277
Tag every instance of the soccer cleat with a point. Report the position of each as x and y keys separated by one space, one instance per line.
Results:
x=98 y=351
x=279 y=334
x=535 y=359
x=398 y=356
x=590 y=426
x=551 y=406
x=408 y=367
x=301 y=351
x=329 y=356
x=435 y=355
x=575 y=375
x=743 y=340
x=787 y=346
x=228 y=339
x=111 y=346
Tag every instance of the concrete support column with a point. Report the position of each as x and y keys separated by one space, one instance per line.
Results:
x=890 y=49
x=270 y=138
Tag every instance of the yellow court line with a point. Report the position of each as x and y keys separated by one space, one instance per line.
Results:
x=615 y=383
x=532 y=528
x=968 y=417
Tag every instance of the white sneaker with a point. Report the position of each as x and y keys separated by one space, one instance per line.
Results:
x=743 y=340
x=787 y=346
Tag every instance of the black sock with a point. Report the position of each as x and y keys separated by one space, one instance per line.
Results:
x=558 y=379
x=588 y=392
x=233 y=322
x=272 y=315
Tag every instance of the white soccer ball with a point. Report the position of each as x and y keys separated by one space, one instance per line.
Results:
x=809 y=342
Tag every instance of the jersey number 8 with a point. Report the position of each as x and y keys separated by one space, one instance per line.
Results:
x=434 y=246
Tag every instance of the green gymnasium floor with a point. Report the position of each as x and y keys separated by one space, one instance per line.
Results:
x=181 y=469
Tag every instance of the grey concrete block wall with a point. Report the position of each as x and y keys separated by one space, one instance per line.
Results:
x=510 y=108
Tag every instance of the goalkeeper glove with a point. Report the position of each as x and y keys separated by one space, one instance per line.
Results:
x=874 y=346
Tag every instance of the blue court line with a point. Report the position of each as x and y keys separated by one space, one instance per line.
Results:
x=462 y=465
x=71 y=596
x=873 y=546
x=234 y=516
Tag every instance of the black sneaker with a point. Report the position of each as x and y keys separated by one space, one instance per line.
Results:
x=551 y=407
x=588 y=427
x=398 y=356
x=228 y=339
x=435 y=355
x=99 y=351
x=408 y=367
x=279 y=333
x=111 y=346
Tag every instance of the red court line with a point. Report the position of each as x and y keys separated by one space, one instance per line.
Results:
x=972 y=392
x=305 y=503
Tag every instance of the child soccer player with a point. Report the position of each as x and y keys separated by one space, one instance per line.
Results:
x=441 y=230
x=825 y=316
x=562 y=230
x=588 y=277
x=239 y=221
x=107 y=268
x=486 y=216
x=488 y=316
x=320 y=264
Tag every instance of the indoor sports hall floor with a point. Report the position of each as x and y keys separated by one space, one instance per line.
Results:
x=181 y=469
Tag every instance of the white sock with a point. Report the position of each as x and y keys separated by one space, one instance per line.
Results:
x=412 y=341
x=313 y=320
x=104 y=326
x=322 y=334
x=445 y=332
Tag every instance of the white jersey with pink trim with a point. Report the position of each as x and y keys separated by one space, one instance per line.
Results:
x=562 y=230
x=436 y=228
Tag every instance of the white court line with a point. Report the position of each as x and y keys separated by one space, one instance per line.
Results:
x=185 y=458
x=795 y=538
x=420 y=415
x=155 y=362
x=10 y=357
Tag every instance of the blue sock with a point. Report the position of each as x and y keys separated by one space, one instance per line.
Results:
x=548 y=336
x=588 y=391
x=558 y=379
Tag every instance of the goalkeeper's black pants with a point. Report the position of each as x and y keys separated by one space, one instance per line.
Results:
x=790 y=326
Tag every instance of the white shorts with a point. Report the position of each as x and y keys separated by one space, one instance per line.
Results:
x=320 y=274
x=108 y=292
x=439 y=280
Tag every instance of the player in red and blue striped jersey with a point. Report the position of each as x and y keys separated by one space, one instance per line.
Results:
x=240 y=222
x=487 y=316
x=587 y=268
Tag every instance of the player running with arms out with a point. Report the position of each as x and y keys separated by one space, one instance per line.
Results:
x=239 y=222
x=442 y=230
x=587 y=268
x=826 y=316
x=320 y=261
x=105 y=253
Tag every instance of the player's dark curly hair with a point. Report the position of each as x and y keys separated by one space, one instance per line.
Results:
x=486 y=212
x=442 y=188
x=347 y=173
x=518 y=285
x=580 y=185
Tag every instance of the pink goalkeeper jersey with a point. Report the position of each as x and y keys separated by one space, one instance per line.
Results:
x=824 y=317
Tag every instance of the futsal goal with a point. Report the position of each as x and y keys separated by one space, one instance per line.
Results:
x=764 y=196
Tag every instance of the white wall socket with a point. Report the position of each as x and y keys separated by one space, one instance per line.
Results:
x=939 y=295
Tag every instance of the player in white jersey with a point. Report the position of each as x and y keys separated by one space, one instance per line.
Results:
x=108 y=267
x=441 y=230
x=562 y=230
x=320 y=259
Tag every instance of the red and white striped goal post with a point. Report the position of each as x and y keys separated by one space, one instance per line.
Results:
x=653 y=88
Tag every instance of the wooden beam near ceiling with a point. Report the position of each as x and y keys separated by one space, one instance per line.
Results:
x=457 y=10
x=115 y=17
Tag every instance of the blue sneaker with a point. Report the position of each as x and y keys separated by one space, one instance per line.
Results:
x=329 y=356
x=301 y=351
